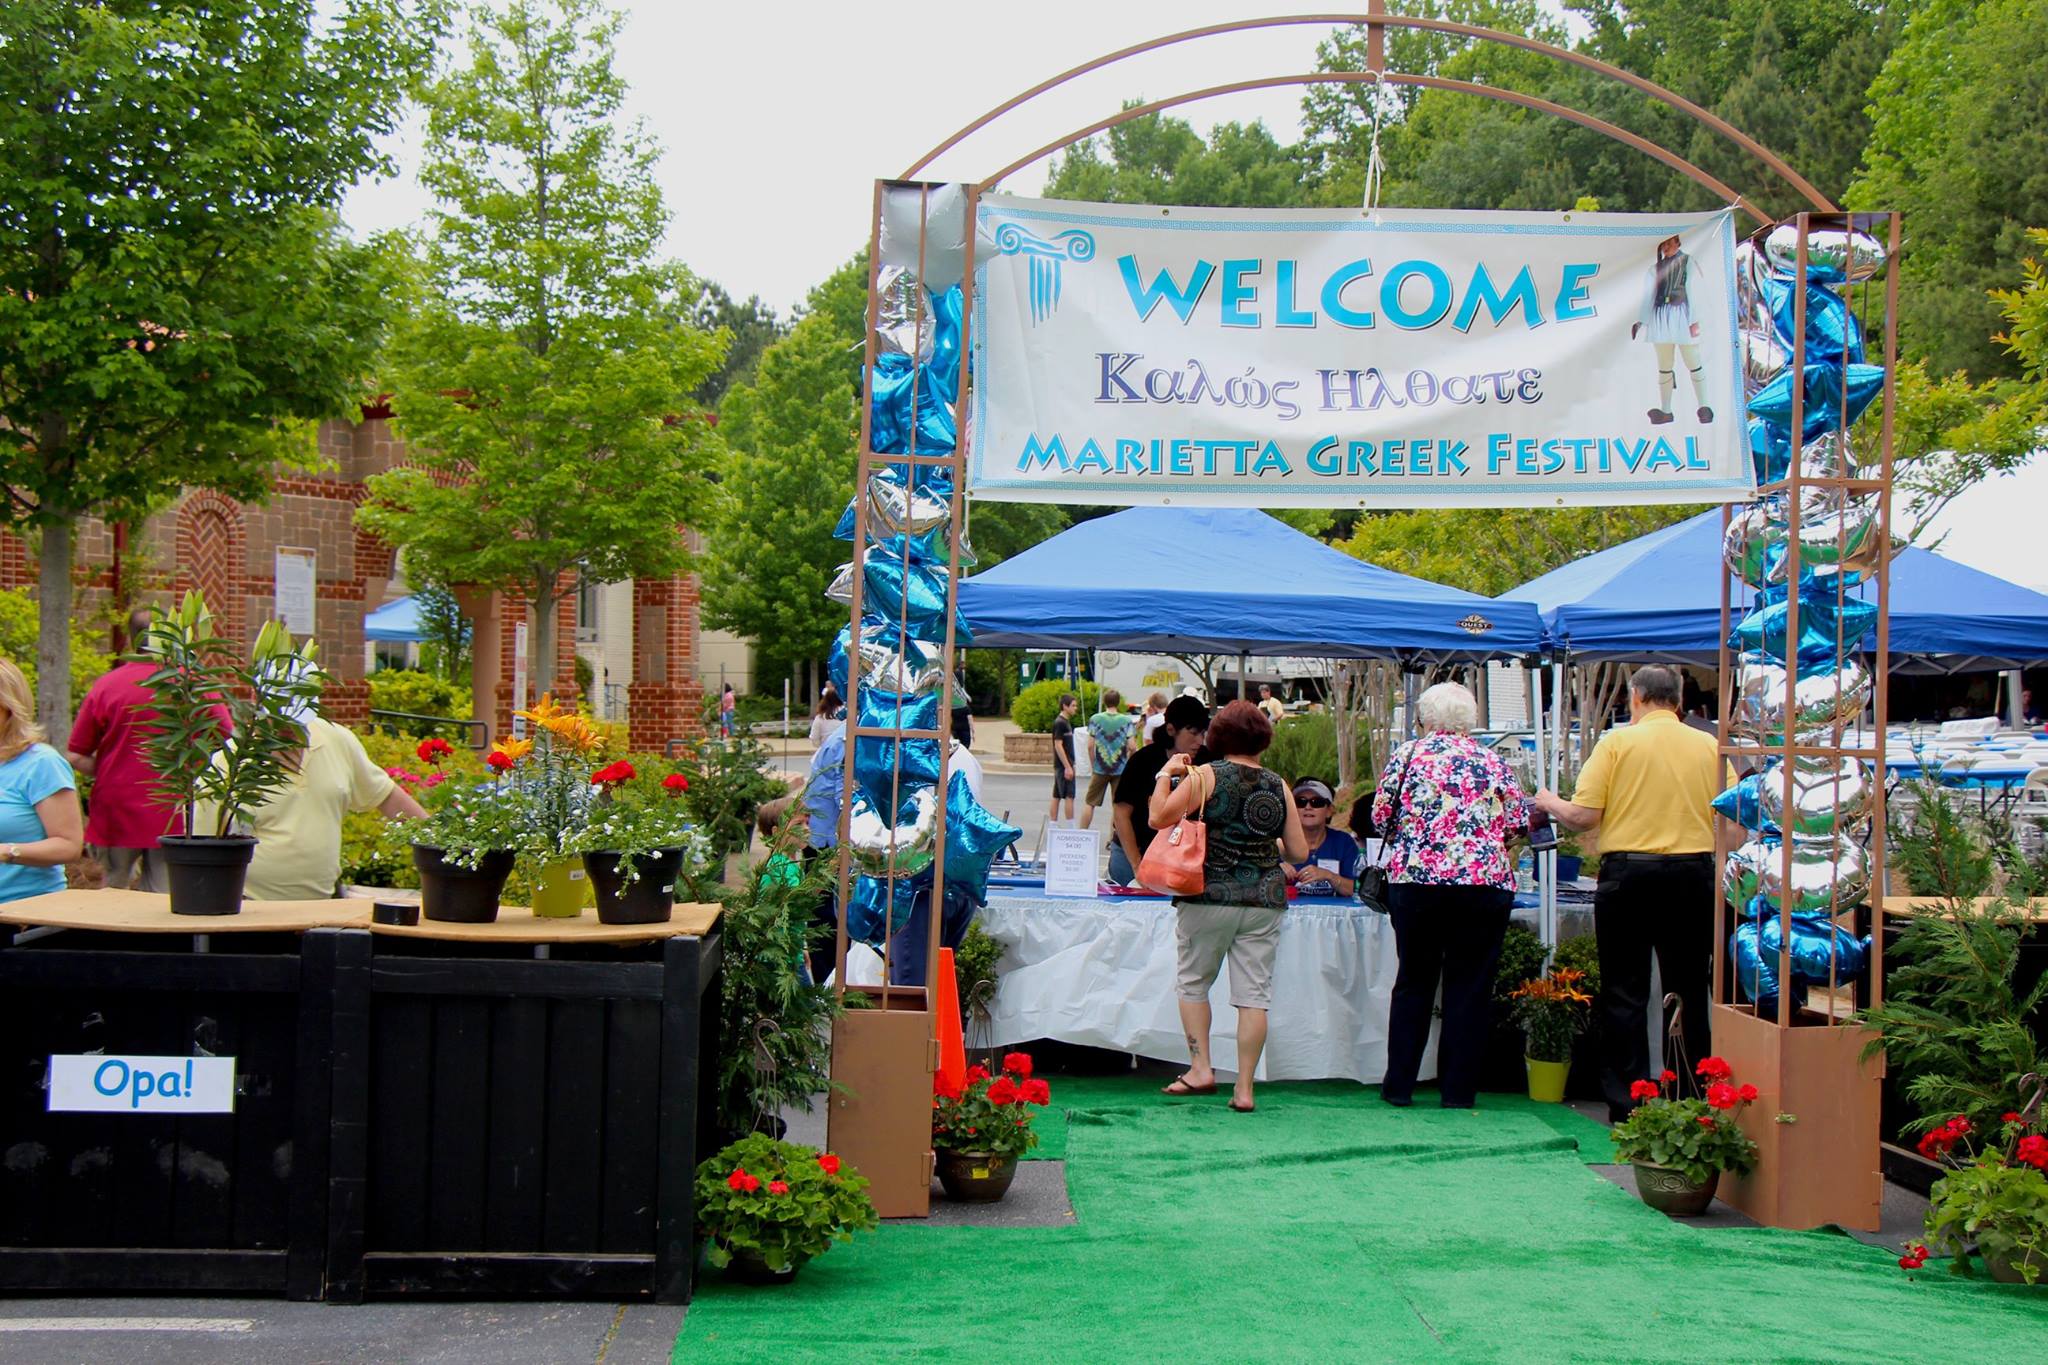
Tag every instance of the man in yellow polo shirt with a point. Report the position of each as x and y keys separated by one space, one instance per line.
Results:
x=1648 y=789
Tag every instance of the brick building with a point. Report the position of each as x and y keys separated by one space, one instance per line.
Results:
x=229 y=550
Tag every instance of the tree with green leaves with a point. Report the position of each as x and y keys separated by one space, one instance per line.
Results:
x=1162 y=160
x=752 y=327
x=543 y=385
x=1492 y=550
x=177 y=300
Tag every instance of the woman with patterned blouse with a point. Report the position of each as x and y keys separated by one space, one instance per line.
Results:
x=1447 y=807
x=1251 y=821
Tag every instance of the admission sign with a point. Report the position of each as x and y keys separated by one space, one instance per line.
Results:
x=1345 y=358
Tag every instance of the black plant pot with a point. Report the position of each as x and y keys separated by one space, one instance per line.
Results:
x=461 y=895
x=648 y=899
x=206 y=875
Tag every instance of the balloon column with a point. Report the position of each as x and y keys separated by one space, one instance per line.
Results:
x=902 y=523
x=1799 y=678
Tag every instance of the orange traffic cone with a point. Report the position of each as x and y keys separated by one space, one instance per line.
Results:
x=946 y=1000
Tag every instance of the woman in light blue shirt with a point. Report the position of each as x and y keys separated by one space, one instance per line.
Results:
x=41 y=828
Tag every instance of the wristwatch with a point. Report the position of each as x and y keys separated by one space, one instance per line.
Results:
x=10 y=853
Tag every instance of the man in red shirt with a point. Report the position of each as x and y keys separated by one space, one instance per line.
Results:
x=129 y=810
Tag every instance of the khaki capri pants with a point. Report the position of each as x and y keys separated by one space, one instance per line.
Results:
x=1204 y=935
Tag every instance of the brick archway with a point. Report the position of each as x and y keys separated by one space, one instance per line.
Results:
x=213 y=557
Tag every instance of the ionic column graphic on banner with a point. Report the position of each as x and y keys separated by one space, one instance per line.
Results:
x=1345 y=358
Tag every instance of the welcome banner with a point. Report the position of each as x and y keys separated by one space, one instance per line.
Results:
x=1340 y=358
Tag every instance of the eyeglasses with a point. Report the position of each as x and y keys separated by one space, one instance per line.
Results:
x=1309 y=803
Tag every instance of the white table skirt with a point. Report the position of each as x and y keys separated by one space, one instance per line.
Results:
x=1100 y=973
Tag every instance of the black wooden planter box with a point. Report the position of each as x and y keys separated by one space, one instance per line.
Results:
x=507 y=1126
x=97 y=1202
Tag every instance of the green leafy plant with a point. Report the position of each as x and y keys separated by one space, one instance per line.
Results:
x=420 y=694
x=1995 y=1199
x=775 y=1025
x=974 y=963
x=1939 y=846
x=550 y=777
x=197 y=678
x=988 y=1113
x=729 y=780
x=18 y=627
x=1953 y=1023
x=1521 y=957
x=1582 y=955
x=779 y=1201
x=1036 y=706
x=1551 y=1011
x=1695 y=1136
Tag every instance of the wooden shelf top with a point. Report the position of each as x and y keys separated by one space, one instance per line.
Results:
x=146 y=912
x=143 y=912
x=2037 y=909
x=517 y=924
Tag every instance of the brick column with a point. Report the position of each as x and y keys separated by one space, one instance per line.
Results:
x=665 y=700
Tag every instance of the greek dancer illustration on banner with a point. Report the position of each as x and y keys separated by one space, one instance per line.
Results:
x=1668 y=323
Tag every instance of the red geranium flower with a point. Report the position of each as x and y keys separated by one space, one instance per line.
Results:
x=2010 y=1117
x=976 y=1073
x=1668 y=1076
x=1746 y=1093
x=740 y=1180
x=1705 y=1121
x=777 y=1187
x=1002 y=1091
x=612 y=774
x=434 y=749
x=1959 y=1125
x=945 y=1086
x=1017 y=1064
x=1642 y=1090
x=1722 y=1095
x=498 y=762
x=1911 y=1262
x=2033 y=1151
x=829 y=1164
x=675 y=784
x=1714 y=1069
x=1037 y=1092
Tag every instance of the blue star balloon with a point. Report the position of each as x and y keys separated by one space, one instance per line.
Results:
x=869 y=907
x=1743 y=803
x=875 y=760
x=1833 y=334
x=1819 y=616
x=913 y=594
x=974 y=836
x=1822 y=410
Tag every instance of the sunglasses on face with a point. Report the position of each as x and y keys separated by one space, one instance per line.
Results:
x=1310 y=803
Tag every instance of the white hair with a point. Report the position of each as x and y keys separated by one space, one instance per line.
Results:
x=1448 y=706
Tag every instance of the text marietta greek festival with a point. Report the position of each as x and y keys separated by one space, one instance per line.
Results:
x=1505 y=454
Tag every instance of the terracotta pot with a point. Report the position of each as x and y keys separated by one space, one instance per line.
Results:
x=975 y=1177
x=1671 y=1194
x=2006 y=1272
x=1546 y=1080
x=747 y=1267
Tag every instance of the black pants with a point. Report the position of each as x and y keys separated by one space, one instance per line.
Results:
x=1450 y=934
x=1646 y=904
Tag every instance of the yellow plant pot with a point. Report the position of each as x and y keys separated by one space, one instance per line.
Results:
x=561 y=890
x=1546 y=1080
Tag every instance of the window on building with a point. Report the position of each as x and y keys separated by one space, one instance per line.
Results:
x=586 y=606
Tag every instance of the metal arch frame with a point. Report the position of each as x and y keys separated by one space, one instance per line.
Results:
x=1622 y=135
x=1376 y=22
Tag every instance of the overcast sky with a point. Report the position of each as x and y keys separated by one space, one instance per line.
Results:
x=778 y=118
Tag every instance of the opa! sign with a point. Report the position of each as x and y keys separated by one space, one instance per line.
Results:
x=142 y=1085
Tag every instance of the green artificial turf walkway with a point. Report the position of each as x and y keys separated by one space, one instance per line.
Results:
x=1329 y=1226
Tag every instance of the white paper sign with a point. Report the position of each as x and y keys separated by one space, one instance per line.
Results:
x=297 y=573
x=128 y=1084
x=1337 y=358
x=519 y=678
x=1072 y=857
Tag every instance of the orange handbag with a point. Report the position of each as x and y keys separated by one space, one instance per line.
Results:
x=1172 y=864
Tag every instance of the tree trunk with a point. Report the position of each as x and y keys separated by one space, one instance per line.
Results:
x=540 y=649
x=53 y=634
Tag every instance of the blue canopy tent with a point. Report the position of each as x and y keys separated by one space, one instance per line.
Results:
x=396 y=621
x=1657 y=599
x=1229 y=581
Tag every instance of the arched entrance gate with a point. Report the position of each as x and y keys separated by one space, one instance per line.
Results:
x=1806 y=544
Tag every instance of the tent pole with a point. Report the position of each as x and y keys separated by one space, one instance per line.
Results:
x=1244 y=677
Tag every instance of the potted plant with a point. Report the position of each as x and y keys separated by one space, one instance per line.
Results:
x=775 y=1021
x=981 y=1127
x=1551 y=1011
x=551 y=775
x=636 y=845
x=467 y=846
x=1679 y=1147
x=198 y=683
x=1994 y=1199
x=771 y=1206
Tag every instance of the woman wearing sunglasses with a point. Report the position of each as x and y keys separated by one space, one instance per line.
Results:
x=1332 y=854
